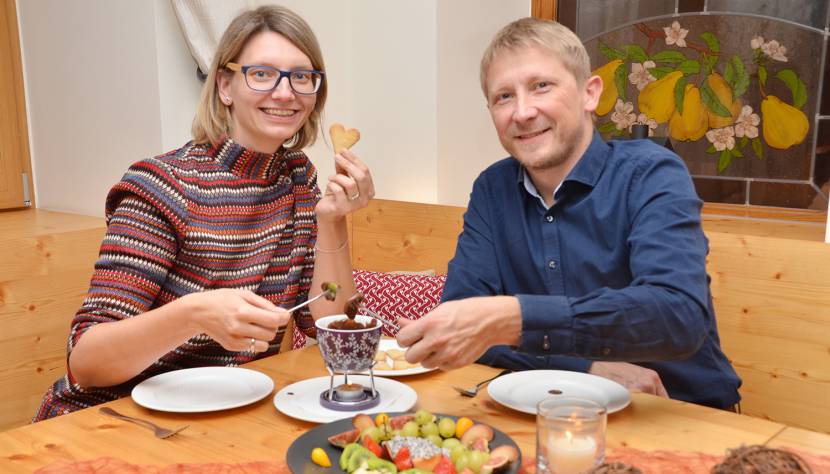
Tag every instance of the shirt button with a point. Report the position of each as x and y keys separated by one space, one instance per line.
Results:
x=552 y=264
x=546 y=342
x=606 y=351
x=549 y=218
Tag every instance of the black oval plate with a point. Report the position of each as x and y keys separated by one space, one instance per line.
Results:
x=299 y=453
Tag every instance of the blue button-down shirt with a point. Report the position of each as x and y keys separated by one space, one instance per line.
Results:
x=615 y=270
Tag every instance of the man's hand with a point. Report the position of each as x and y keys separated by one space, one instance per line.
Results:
x=456 y=333
x=633 y=377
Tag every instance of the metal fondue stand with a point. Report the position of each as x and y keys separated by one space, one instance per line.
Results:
x=349 y=397
x=349 y=352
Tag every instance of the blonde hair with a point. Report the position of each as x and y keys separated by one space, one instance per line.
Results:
x=554 y=37
x=213 y=118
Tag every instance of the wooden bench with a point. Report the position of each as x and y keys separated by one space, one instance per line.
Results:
x=770 y=283
x=46 y=260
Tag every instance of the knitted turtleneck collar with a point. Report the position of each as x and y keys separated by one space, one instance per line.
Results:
x=247 y=163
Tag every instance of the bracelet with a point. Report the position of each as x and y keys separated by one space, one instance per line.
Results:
x=318 y=249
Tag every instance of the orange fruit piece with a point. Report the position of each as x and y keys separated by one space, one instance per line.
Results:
x=381 y=419
x=462 y=425
x=319 y=457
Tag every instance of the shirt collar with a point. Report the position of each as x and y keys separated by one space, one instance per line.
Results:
x=587 y=170
x=531 y=188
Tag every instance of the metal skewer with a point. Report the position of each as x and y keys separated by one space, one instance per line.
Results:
x=329 y=292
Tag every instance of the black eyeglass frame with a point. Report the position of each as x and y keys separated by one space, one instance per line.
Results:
x=244 y=70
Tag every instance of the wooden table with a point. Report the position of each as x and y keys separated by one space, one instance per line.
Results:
x=258 y=432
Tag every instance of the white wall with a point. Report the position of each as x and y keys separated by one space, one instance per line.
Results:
x=467 y=141
x=380 y=64
x=179 y=87
x=93 y=96
x=110 y=82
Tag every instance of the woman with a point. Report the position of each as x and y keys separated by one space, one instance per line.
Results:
x=206 y=245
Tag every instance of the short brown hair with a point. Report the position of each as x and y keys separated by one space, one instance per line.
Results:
x=212 y=120
x=550 y=35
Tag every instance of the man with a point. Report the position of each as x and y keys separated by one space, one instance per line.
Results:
x=581 y=255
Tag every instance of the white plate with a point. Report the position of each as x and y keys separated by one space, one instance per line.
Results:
x=202 y=389
x=385 y=345
x=523 y=390
x=301 y=400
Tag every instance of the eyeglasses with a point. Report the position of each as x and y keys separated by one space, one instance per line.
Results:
x=267 y=78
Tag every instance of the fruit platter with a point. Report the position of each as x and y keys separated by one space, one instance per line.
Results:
x=407 y=443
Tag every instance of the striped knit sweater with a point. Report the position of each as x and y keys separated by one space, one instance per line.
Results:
x=198 y=218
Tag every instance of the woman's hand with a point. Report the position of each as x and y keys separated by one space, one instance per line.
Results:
x=348 y=190
x=233 y=317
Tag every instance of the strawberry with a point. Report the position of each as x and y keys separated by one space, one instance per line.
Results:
x=403 y=460
x=444 y=466
x=372 y=446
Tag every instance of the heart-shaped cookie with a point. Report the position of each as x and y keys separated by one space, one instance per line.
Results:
x=342 y=138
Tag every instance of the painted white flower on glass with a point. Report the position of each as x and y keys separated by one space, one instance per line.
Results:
x=775 y=50
x=645 y=120
x=676 y=35
x=722 y=138
x=640 y=76
x=623 y=115
x=746 y=125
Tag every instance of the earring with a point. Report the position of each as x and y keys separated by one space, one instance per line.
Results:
x=227 y=100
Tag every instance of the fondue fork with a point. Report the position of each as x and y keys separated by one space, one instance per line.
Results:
x=355 y=304
x=329 y=292
x=374 y=315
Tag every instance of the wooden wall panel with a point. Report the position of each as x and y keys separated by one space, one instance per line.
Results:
x=46 y=261
x=808 y=231
x=396 y=235
x=772 y=298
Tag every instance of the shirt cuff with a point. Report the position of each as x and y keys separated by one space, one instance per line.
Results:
x=547 y=325
x=508 y=358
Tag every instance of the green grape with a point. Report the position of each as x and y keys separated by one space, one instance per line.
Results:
x=477 y=459
x=423 y=417
x=462 y=461
x=450 y=443
x=429 y=429
x=434 y=439
x=374 y=432
x=446 y=427
x=456 y=452
x=410 y=429
x=385 y=432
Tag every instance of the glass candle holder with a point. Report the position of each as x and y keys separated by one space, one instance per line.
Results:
x=570 y=435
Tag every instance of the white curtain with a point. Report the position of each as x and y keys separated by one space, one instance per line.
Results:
x=204 y=21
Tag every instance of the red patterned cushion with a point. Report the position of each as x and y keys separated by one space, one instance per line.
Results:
x=399 y=296
x=298 y=339
x=392 y=297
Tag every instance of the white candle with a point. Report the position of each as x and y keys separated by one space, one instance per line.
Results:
x=571 y=454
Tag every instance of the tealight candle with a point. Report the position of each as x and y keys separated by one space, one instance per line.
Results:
x=570 y=435
x=571 y=454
